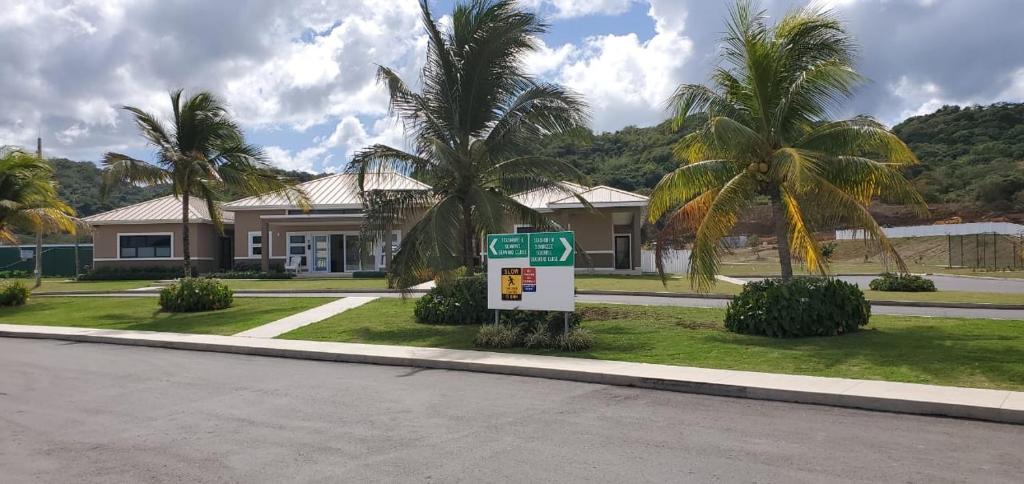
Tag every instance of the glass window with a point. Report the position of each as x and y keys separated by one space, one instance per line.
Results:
x=145 y=246
x=255 y=244
x=297 y=239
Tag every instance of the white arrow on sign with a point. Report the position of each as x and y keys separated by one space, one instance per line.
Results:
x=568 y=249
x=493 y=250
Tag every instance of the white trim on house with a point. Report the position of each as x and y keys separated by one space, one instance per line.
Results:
x=128 y=234
x=269 y=245
x=109 y=259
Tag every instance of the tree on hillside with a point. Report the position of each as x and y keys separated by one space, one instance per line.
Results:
x=29 y=201
x=202 y=153
x=469 y=126
x=768 y=133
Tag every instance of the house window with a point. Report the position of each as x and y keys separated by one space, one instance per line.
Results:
x=255 y=244
x=525 y=229
x=144 y=246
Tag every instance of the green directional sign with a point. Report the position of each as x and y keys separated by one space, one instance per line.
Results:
x=507 y=246
x=552 y=249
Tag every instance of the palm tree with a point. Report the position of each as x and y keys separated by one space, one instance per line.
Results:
x=29 y=201
x=766 y=132
x=202 y=153
x=470 y=127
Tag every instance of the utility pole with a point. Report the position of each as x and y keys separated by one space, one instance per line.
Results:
x=39 y=230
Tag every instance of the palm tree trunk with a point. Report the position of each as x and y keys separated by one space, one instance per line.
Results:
x=39 y=259
x=467 y=238
x=782 y=236
x=186 y=252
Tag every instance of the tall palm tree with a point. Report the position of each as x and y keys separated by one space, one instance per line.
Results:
x=29 y=201
x=202 y=153
x=767 y=133
x=470 y=126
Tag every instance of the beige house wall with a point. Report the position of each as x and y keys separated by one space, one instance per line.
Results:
x=204 y=243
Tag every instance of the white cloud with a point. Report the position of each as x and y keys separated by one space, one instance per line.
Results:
x=67 y=66
x=625 y=79
x=579 y=8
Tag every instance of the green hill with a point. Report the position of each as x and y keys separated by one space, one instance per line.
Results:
x=972 y=156
x=972 y=159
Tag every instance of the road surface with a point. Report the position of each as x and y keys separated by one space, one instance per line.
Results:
x=951 y=283
x=81 y=412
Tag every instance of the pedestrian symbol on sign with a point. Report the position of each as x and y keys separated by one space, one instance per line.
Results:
x=512 y=284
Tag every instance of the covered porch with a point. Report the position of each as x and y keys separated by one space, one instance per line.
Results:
x=318 y=245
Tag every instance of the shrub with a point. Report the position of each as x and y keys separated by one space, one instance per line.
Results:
x=537 y=337
x=499 y=336
x=800 y=307
x=195 y=294
x=13 y=294
x=14 y=274
x=902 y=283
x=577 y=339
x=130 y=273
x=462 y=300
x=276 y=266
x=249 y=275
x=368 y=274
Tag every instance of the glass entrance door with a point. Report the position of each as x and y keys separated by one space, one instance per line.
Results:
x=622 y=252
x=321 y=254
x=353 y=261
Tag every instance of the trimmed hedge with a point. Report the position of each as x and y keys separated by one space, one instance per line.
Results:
x=14 y=294
x=130 y=273
x=194 y=294
x=803 y=306
x=902 y=283
x=249 y=275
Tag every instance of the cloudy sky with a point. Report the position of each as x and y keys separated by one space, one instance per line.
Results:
x=299 y=75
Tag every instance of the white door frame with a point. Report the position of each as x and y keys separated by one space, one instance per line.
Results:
x=310 y=264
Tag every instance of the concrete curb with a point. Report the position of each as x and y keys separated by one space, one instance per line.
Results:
x=991 y=405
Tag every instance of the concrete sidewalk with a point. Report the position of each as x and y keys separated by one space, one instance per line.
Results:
x=992 y=405
x=307 y=317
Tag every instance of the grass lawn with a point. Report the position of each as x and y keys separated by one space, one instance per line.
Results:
x=959 y=352
x=62 y=284
x=292 y=284
x=142 y=313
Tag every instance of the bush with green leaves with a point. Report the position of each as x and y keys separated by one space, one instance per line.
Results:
x=803 y=306
x=14 y=274
x=902 y=283
x=504 y=335
x=234 y=274
x=499 y=336
x=194 y=294
x=460 y=300
x=14 y=294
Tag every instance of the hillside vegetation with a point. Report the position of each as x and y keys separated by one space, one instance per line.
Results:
x=972 y=162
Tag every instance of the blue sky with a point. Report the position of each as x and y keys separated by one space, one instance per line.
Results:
x=299 y=75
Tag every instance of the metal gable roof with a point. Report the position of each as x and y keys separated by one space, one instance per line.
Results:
x=540 y=198
x=335 y=191
x=602 y=195
x=159 y=210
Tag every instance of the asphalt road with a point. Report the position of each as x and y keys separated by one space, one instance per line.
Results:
x=80 y=412
x=953 y=283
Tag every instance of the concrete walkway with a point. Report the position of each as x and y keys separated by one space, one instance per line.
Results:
x=310 y=316
x=993 y=405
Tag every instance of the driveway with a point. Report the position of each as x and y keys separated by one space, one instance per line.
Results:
x=99 y=413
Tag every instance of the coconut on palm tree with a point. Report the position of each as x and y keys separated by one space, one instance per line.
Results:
x=29 y=200
x=470 y=126
x=767 y=133
x=201 y=153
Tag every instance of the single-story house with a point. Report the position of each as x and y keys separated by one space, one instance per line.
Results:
x=270 y=232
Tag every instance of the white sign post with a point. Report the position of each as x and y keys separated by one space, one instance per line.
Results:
x=534 y=271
